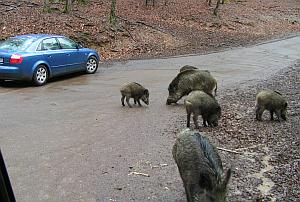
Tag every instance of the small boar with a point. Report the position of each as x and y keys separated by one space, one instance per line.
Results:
x=135 y=91
x=200 y=168
x=190 y=80
x=272 y=101
x=201 y=103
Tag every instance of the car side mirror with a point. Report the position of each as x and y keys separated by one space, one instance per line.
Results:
x=78 y=46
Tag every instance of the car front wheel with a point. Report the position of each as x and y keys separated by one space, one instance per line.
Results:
x=91 y=65
x=40 y=75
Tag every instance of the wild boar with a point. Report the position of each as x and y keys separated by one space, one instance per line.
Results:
x=190 y=80
x=187 y=67
x=201 y=103
x=200 y=168
x=272 y=101
x=136 y=91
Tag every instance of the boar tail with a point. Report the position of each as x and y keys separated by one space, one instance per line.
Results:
x=216 y=89
x=138 y=84
x=226 y=180
x=188 y=106
x=277 y=92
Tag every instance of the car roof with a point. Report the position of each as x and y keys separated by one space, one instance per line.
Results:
x=37 y=36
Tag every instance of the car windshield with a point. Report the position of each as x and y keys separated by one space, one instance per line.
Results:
x=17 y=44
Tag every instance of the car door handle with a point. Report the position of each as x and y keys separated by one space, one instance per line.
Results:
x=68 y=54
x=49 y=56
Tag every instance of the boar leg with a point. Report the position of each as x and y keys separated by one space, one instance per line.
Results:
x=122 y=100
x=138 y=101
x=272 y=115
x=134 y=101
x=188 y=192
x=283 y=116
x=127 y=100
x=189 y=112
x=195 y=118
x=188 y=120
x=277 y=112
x=204 y=123
x=205 y=120
x=259 y=111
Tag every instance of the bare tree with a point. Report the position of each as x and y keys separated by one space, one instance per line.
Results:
x=113 y=17
x=68 y=6
x=46 y=7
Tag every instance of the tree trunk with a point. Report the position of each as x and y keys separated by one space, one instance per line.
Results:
x=112 y=17
x=68 y=6
x=216 y=10
x=46 y=7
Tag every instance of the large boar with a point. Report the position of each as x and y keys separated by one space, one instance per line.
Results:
x=272 y=101
x=135 y=91
x=190 y=80
x=201 y=103
x=200 y=168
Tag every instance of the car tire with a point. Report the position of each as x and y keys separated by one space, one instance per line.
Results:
x=91 y=65
x=40 y=76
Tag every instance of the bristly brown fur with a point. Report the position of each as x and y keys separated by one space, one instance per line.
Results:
x=200 y=168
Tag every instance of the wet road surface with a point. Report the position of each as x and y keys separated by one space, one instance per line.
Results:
x=71 y=140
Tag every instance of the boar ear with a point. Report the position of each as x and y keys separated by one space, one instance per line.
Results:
x=277 y=92
x=206 y=181
x=146 y=92
x=211 y=95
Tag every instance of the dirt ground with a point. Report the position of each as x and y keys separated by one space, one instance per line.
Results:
x=268 y=160
x=168 y=28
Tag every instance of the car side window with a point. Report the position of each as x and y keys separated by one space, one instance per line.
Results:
x=67 y=43
x=49 y=44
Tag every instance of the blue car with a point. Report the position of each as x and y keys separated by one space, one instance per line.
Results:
x=38 y=57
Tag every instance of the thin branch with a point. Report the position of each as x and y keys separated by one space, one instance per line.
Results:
x=129 y=34
x=251 y=147
x=145 y=24
x=228 y=150
x=137 y=173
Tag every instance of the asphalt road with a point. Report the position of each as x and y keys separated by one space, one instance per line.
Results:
x=71 y=140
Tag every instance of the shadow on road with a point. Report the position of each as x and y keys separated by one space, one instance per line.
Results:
x=26 y=84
